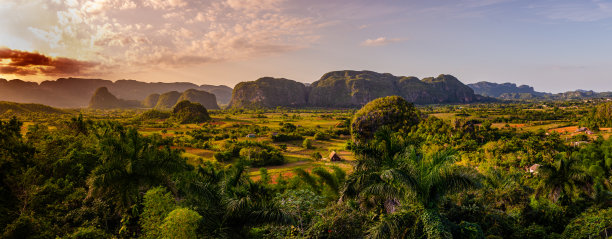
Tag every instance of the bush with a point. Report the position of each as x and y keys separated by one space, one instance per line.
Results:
x=253 y=153
x=591 y=224
x=181 y=223
x=307 y=144
x=154 y=114
x=157 y=204
x=259 y=156
x=89 y=233
x=222 y=156
x=321 y=136
x=286 y=137
x=338 y=221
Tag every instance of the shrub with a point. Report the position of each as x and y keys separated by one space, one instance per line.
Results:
x=321 y=136
x=181 y=223
x=157 y=204
x=259 y=156
x=317 y=156
x=307 y=144
x=286 y=137
x=89 y=233
x=154 y=114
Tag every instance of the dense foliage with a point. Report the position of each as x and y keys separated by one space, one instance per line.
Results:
x=599 y=117
x=186 y=112
x=459 y=172
x=391 y=111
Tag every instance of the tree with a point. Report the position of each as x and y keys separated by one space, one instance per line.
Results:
x=181 y=223
x=591 y=224
x=130 y=164
x=15 y=164
x=230 y=202
x=307 y=144
x=391 y=111
x=302 y=204
x=323 y=182
x=317 y=156
x=395 y=177
x=561 y=179
x=157 y=203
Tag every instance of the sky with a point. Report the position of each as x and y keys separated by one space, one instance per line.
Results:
x=552 y=45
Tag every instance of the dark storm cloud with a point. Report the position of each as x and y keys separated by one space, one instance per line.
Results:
x=33 y=63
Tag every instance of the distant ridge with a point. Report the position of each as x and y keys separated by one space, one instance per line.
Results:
x=339 y=89
x=103 y=99
x=12 y=108
x=497 y=90
x=76 y=92
x=509 y=91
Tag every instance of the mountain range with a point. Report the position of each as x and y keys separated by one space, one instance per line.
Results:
x=510 y=91
x=103 y=99
x=348 y=88
x=76 y=92
x=336 y=89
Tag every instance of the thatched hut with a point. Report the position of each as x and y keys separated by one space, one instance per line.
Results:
x=333 y=156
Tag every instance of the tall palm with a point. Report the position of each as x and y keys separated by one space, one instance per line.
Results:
x=561 y=179
x=130 y=164
x=503 y=188
x=231 y=202
x=323 y=182
x=407 y=177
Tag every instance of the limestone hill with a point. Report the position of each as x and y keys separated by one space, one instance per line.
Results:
x=103 y=99
x=339 y=89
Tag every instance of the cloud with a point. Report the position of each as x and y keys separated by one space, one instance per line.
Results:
x=381 y=41
x=255 y=5
x=165 y=4
x=140 y=35
x=584 y=11
x=33 y=63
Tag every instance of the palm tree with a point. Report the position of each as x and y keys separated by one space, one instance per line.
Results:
x=561 y=179
x=503 y=188
x=321 y=181
x=130 y=164
x=399 y=177
x=230 y=202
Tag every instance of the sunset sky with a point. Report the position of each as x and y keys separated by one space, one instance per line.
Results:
x=553 y=45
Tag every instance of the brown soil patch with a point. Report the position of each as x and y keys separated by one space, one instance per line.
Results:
x=569 y=129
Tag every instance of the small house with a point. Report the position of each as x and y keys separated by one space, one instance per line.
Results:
x=582 y=129
x=534 y=168
x=578 y=143
x=251 y=135
x=333 y=156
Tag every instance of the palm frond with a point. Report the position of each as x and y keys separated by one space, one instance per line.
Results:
x=308 y=179
x=328 y=179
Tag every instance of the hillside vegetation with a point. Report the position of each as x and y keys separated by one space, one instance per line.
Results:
x=391 y=169
x=12 y=108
